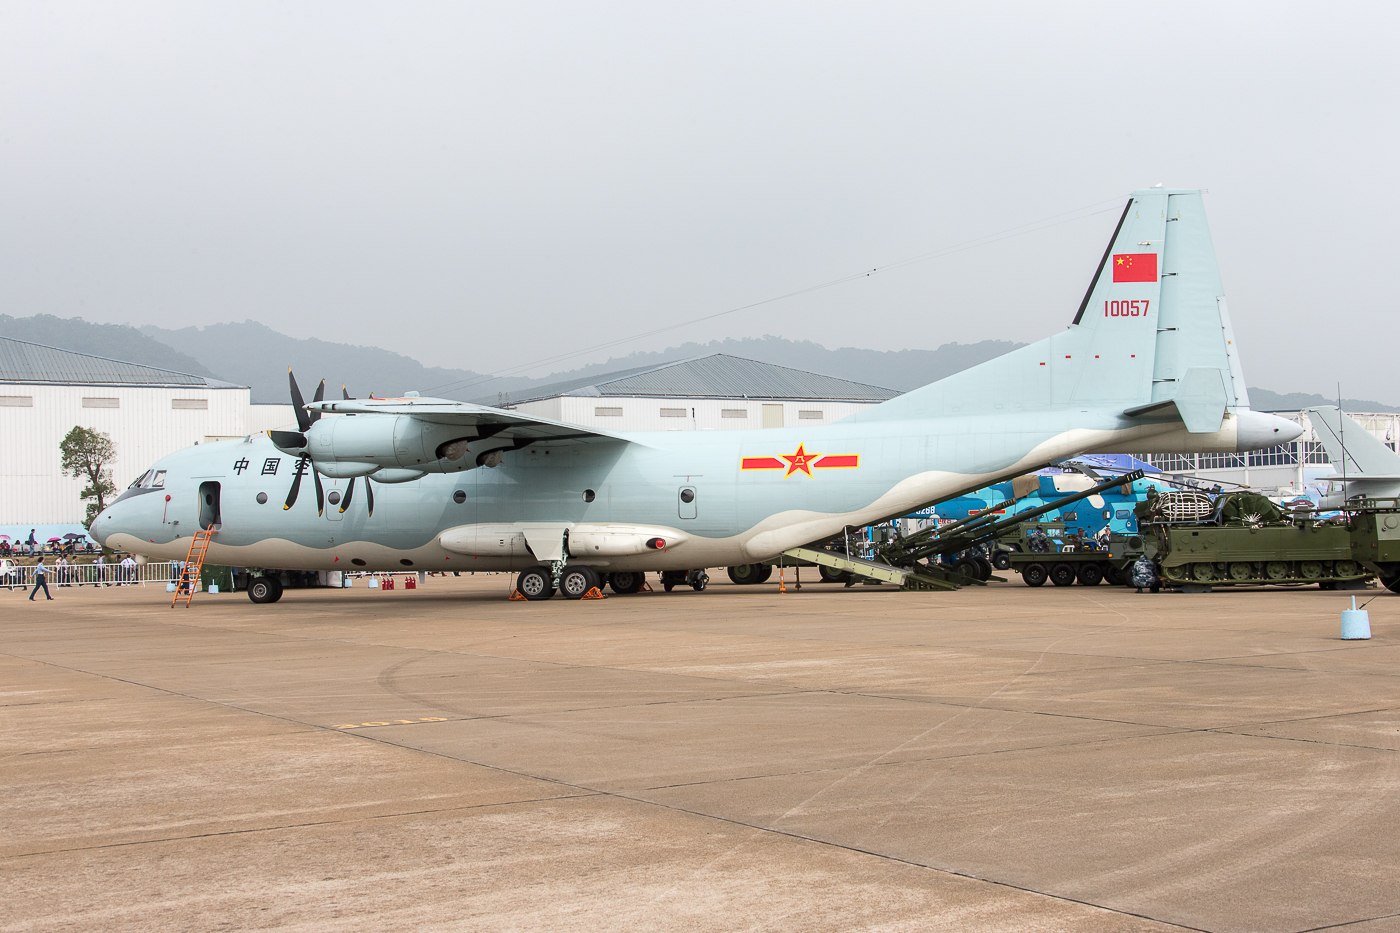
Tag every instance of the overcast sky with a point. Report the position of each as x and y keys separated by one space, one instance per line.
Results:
x=494 y=185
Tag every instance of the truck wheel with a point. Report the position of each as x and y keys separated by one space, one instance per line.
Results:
x=832 y=575
x=1001 y=560
x=1062 y=574
x=984 y=569
x=1089 y=575
x=1034 y=574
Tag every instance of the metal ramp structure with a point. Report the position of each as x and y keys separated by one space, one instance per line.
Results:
x=908 y=578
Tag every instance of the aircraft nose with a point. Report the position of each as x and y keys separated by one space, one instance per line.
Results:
x=105 y=524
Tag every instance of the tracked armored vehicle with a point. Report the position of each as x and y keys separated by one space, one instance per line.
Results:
x=1375 y=539
x=1243 y=539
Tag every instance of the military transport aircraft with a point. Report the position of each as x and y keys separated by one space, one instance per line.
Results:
x=1369 y=469
x=1149 y=363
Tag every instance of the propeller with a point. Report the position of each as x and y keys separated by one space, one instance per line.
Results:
x=304 y=465
x=305 y=419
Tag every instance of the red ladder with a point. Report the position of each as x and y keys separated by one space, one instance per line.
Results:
x=194 y=563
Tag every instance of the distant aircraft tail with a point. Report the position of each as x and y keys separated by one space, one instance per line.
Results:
x=1354 y=451
x=1151 y=340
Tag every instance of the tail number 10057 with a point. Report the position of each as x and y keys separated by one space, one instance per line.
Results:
x=1125 y=308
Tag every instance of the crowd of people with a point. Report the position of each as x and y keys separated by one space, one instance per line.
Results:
x=70 y=545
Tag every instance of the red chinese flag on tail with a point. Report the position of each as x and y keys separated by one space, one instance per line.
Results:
x=1134 y=267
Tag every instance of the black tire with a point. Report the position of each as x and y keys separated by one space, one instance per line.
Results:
x=1034 y=574
x=1113 y=576
x=749 y=574
x=264 y=589
x=966 y=567
x=699 y=581
x=832 y=575
x=984 y=568
x=1001 y=560
x=668 y=587
x=535 y=583
x=577 y=580
x=1390 y=577
x=1062 y=574
x=1089 y=575
x=626 y=582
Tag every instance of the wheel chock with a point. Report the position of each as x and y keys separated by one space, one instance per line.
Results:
x=593 y=593
x=516 y=596
x=646 y=588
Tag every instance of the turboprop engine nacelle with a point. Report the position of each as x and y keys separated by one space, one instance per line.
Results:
x=360 y=445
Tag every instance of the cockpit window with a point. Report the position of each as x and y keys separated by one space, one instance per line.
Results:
x=151 y=479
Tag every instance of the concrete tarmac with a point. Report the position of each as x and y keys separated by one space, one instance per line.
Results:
x=998 y=758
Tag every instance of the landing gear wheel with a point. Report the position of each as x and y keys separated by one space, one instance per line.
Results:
x=626 y=582
x=1001 y=560
x=670 y=579
x=1089 y=575
x=1062 y=574
x=748 y=574
x=1034 y=574
x=264 y=589
x=535 y=582
x=577 y=580
x=698 y=580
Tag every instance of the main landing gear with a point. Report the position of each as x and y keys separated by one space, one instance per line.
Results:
x=574 y=581
x=263 y=589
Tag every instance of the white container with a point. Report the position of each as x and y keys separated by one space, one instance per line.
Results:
x=1356 y=623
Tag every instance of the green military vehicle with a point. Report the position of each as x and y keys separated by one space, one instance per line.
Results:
x=1375 y=539
x=1042 y=551
x=1244 y=539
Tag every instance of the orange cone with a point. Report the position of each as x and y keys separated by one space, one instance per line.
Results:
x=516 y=595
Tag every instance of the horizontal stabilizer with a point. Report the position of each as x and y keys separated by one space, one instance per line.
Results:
x=1200 y=401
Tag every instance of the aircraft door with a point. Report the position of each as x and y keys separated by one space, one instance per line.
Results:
x=686 y=502
x=209 y=504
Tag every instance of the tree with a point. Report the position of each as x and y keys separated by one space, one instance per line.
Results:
x=86 y=454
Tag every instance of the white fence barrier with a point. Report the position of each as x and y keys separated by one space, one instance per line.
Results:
x=14 y=575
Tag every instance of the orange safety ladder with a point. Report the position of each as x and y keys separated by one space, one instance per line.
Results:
x=194 y=563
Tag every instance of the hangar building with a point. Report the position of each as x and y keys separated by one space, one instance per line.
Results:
x=701 y=394
x=148 y=412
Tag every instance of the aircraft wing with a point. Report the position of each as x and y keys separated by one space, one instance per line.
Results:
x=483 y=420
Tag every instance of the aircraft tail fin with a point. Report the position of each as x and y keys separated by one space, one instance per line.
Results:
x=1151 y=339
x=1353 y=450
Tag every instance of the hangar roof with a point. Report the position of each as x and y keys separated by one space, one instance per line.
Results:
x=33 y=364
x=716 y=376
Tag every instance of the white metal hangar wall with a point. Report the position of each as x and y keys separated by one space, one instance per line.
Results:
x=706 y=393
x=45 y=392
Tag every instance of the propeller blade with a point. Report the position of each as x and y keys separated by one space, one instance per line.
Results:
x=349 y=494
x=320 y=493
x=315 y=414
x=288 y=440
x=369 y=495
x=345 y=392
x=296 y=484
x=299 y=403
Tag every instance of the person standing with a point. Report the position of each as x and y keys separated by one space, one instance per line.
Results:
x=99 y=571
x=41 y=574
x=31 y=542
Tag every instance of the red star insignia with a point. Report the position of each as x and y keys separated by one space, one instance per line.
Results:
x=801 y=460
